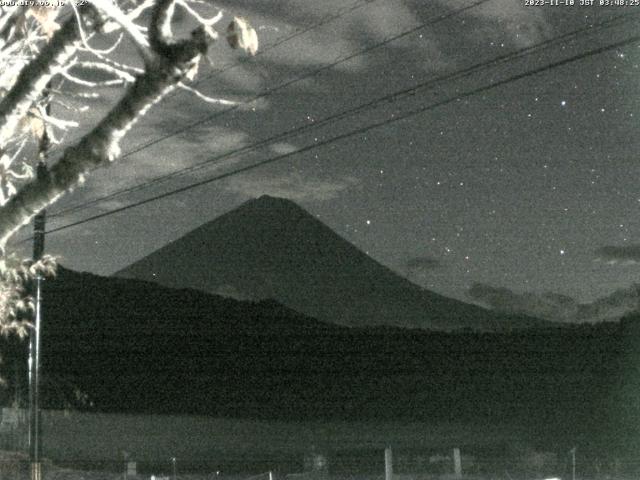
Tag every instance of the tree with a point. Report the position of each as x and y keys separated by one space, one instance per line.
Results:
x=44 y=60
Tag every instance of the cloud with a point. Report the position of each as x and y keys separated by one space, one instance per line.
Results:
x=525 y=25
x=384 y=20
x=556 y=307
x=283 y=148
x=418 y=265
x=545 y=305
x=292 y=186
x=614 y=254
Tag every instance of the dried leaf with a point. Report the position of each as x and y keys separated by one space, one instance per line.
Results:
x=33 y=122
x=242 y=35
x=46 y=17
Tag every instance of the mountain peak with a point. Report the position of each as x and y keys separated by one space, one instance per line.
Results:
x=270 y=247
x=272 y=199
x=271 y=203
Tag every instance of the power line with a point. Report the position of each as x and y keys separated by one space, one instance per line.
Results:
x=386 y=98
x=272 y=90
x=358 y=131
x=245 y=59
x=281 y=86
x=324 y=21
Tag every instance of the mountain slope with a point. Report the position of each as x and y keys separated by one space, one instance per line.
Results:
x=272 y=248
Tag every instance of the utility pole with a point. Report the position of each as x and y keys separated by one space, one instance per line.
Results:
x=39 y=221
x=34 y=349
x=388 y=464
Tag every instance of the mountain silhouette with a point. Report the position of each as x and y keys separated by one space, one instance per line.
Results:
x=272 y=248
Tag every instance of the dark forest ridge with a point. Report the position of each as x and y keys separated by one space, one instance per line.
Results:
x=271 y=248
x=134 y=346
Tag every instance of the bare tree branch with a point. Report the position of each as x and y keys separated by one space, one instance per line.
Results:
x=172 y=62
x=33 y=51
x=34 y=78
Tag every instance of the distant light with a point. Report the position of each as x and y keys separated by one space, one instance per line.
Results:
x=563 y=103
x=368 y=222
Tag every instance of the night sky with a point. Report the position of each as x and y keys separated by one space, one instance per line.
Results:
x=532 y=185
